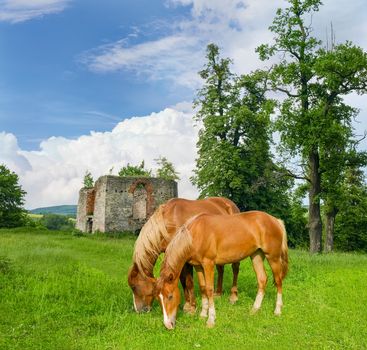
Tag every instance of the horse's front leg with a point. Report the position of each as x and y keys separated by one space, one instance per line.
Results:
x=208 y=267
x=187 y=281
x=204 y=298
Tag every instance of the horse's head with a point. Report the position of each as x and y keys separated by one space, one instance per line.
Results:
x=143 y=289
x=168 y=294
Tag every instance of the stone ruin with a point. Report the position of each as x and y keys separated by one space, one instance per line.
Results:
x=117 y=204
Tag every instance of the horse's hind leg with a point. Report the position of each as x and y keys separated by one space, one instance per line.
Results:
x=204 y=298
x=258 y=265
x=234 y=291
x=187 y=281
x=219 y=290
x=276 y=267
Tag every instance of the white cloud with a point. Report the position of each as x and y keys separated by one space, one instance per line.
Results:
x=15 y=11
x=10 y=154
x=172 y=58
x=237 y=26
x=53 y=175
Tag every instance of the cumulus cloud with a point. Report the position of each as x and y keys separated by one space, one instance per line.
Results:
x=10 y=154
x=15 y=11
x=53 y=175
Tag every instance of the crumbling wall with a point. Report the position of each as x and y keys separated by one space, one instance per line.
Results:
x=99 y=205
x=125 y=203
x=85 y=208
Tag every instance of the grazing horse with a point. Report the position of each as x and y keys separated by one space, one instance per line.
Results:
x=206 y=240
x=153 y=240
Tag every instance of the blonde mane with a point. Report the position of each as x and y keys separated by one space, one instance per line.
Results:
x=180 y=247
x=148 y=244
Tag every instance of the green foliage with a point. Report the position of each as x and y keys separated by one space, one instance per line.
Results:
x=166 y=169
x=135 y=170
x=12 y=213
x=88 y=181
x=66 y=292
x=351 y=221
x=314 y=122
x=56 y=222
x=296 y=223
x=234 y=140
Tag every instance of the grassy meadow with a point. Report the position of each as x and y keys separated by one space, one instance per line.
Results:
x=63 y=291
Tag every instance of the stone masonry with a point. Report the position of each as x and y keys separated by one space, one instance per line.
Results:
x=118 y=204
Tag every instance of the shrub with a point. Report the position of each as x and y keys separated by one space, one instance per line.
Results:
x=57 y=222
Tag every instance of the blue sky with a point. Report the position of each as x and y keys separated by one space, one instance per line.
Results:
x=47 y=91
x=94 y=85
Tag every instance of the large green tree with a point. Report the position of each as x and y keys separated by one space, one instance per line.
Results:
x=351 y=222
x=314 y=81
x=234 y=158
x=12 y=213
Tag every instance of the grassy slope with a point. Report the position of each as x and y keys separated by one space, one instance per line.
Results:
x=59 y=209
x=63 y=292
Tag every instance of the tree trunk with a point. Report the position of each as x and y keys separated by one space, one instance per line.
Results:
x=314 y=217
x=330 y=224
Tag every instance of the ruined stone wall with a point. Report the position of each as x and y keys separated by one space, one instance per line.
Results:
x=85 y=208
x=121 y=203
x=130 y=201
x=99 y=205
x=118 y=204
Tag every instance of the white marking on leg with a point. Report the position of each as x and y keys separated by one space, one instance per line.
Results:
x=136 y=309
x=258 y=301
x=211 y=318
x=279 y=304
x=204 y=307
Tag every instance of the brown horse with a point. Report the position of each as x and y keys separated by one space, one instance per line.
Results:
x=153 y=240
x=206 y=240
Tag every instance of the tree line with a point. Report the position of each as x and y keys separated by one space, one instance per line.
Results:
x=238 y=117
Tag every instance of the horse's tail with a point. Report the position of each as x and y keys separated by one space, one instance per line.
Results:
x=147 y=246
x=284 y=250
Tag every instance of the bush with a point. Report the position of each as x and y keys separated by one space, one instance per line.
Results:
x=57 y=222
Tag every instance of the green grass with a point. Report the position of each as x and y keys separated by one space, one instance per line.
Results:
x=59 y=291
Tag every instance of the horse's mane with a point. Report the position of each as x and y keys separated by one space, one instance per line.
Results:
x=180 y=248
x=148 y=244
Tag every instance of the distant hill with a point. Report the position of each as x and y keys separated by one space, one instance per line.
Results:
x=59 y=209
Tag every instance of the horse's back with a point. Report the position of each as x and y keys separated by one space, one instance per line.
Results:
x=252 y=228
x=178 y=210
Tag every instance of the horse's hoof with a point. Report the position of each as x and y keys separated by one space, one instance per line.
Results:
x=189 y=309
x=203 y=314
x=254 y=311
x=210 y=324
x=233 y=299
x=218 y=294
x=277 y=312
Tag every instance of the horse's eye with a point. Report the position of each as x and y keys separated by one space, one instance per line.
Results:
x=170 y=296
